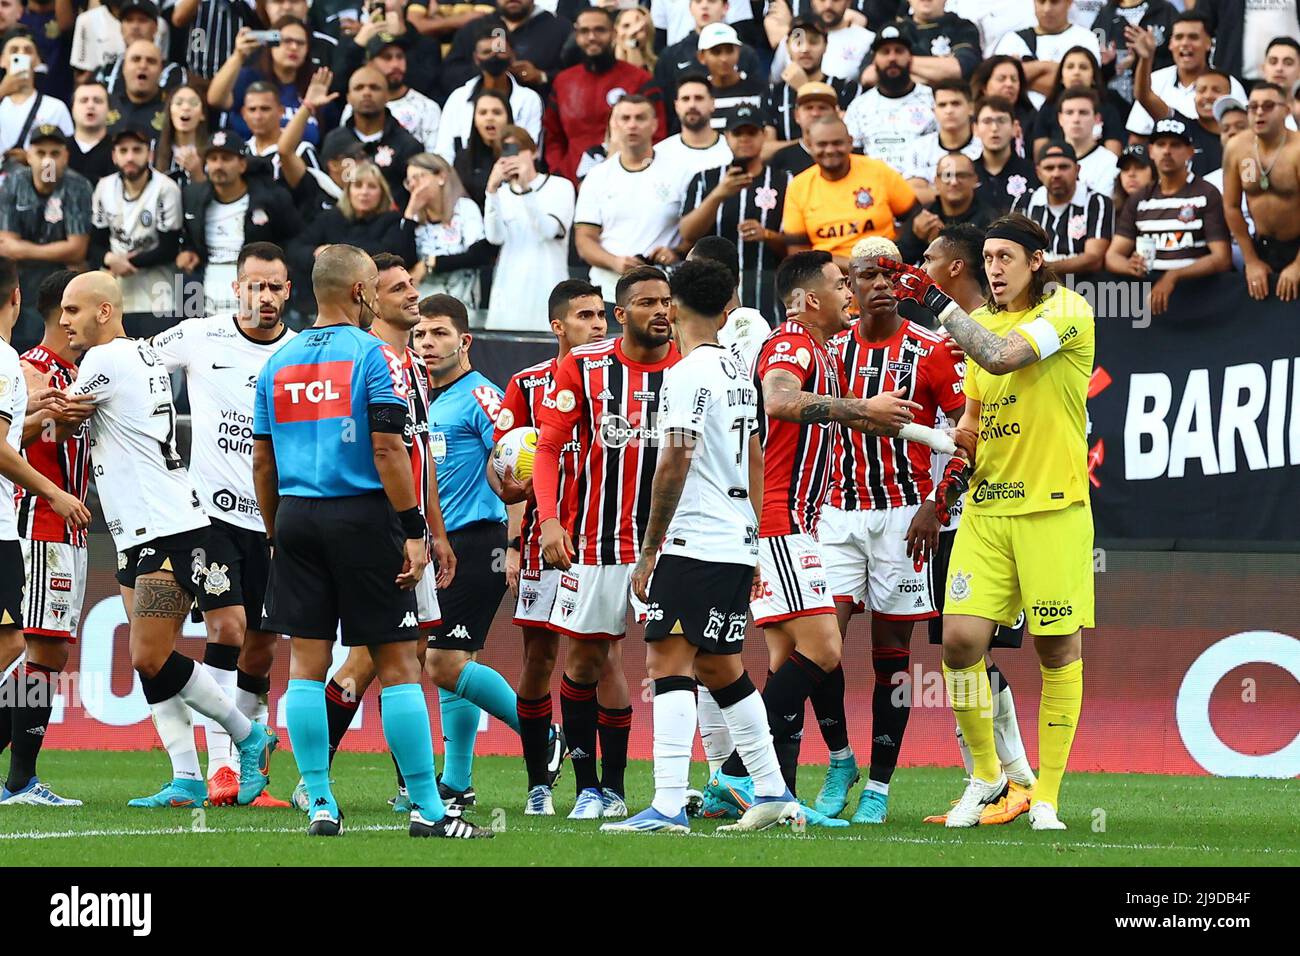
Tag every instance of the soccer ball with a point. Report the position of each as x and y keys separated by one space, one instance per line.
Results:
x=516 y=449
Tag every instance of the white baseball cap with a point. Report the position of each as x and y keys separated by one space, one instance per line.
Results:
x=718 y=34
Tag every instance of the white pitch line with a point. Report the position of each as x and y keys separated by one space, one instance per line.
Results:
x=573 y=831
x=175 y=831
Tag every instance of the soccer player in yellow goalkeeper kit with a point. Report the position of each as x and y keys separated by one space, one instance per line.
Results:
x=1026 y=534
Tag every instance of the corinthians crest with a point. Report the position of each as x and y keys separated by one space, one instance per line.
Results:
x=216 y=580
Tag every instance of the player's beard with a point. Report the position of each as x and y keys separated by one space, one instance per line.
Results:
x=648 y=339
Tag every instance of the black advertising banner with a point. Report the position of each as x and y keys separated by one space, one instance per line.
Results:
x=1195 y=414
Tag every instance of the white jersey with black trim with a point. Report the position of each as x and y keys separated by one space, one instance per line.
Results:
x=13 y=409
x=143 y=486
x=221 y=364
x=743 y=334
x=709 y=396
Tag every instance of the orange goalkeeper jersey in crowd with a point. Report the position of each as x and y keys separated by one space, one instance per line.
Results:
x=835 y=215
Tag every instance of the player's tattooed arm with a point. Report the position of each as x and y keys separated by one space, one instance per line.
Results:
x=158 y=595
x=674 y=462
x=784 y=399
x=665 y=493
x=990 y=351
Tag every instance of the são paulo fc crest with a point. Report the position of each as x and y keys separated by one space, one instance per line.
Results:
x=527 y=598
x=216 y=580
x=959 y=589
x=862 y=198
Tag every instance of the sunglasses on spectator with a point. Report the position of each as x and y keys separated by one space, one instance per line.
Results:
x=1262 y=106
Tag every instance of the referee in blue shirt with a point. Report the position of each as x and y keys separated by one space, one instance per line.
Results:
x=463 y=408
x=333 y=479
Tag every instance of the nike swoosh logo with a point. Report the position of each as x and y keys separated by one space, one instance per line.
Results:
x=180 y=803
x=189 y=215
x=1050 y=724
x=219 y=368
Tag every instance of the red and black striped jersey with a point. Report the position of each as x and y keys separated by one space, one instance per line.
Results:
x=875 y=472
x=521 y=408
x=796 y=457
x=417 y=428
x=65 y=463
x=613 y=403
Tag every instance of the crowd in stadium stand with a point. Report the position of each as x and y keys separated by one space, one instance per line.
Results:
x=501 y=148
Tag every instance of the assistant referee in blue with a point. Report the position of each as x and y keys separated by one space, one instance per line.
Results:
x=333 y=479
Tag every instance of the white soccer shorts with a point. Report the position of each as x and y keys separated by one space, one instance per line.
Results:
x=591 y=601
x=537 y=589
x=792 y=580
x=427 y=612
x=867 y=563
x=56 y=588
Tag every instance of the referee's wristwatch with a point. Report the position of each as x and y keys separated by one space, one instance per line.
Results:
x=514 y=544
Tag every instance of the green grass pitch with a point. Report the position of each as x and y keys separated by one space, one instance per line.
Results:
x=1114 y=820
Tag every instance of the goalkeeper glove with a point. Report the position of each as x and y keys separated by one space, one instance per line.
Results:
x=913 y=283
x=953 y=484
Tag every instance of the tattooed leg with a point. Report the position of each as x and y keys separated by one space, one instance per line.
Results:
x=157 y=615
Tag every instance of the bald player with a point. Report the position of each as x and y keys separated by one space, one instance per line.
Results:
x=338 y=499
x=160 y=532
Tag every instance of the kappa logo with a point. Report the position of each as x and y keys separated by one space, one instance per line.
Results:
x=409 y=620
x=460 y=632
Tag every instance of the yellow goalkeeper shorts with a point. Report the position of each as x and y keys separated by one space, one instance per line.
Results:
x=1041 y=562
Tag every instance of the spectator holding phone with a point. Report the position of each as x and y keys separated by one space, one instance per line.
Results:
x=529 y=215
x=22 y=107
x=282 y=63
x=742 y=200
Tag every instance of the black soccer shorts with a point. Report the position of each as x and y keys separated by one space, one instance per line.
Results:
x=335 y=562
x=471 y=602
x=703 y=601
x=237 y=565
x=182 y=554
x=1003 y=636
x=12 y=581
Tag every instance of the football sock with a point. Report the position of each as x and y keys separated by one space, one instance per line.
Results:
x=828 y=704
x=967 y=760
x=734 y=766
x=785 y=697
x=1058 y=718
x=340 y=709
x=30 y=718
x=614 y=726
x=535 y=734
x=460 y=719
x=251 y=695
x=8 y=698
x=891 y=705
x=204 y=695
x=406 y=728
x=220 y=661
x=484 y=687
x=968 y=695
x=171 y=715
x=674 y=733
x=1006 y=730
x=746 y=716
x=304 y=715
x=714 y=734
x=578 y=709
